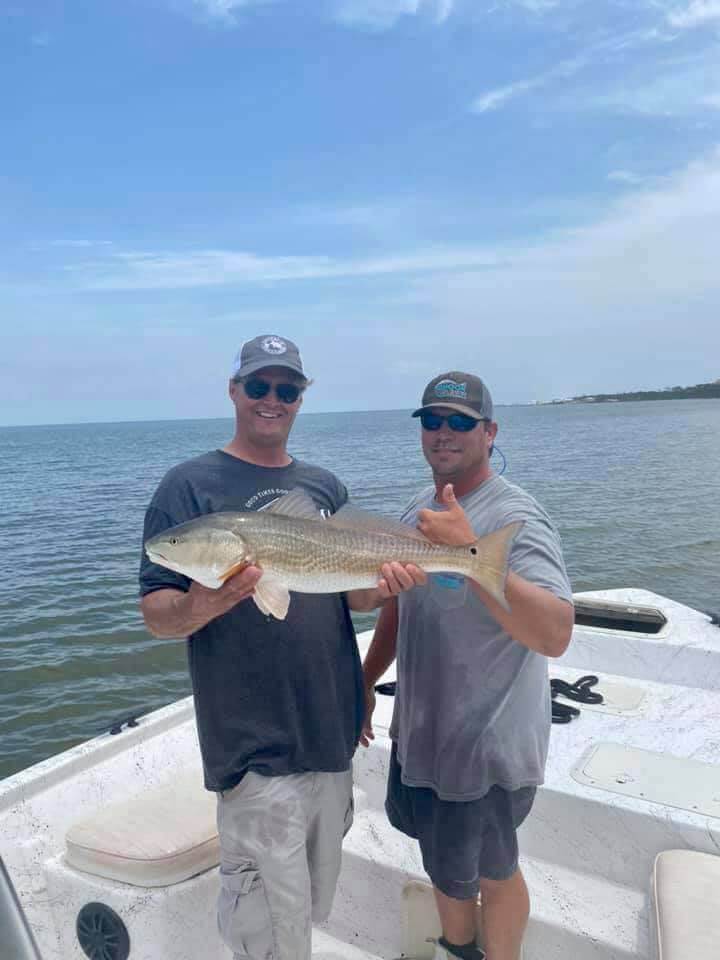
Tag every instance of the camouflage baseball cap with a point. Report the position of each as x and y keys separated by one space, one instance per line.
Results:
x=458 y=391
x=267 y=350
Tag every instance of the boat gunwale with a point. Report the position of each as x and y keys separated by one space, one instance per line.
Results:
x=32 y=781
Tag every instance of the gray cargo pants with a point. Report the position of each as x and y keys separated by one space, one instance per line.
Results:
x=280 y=845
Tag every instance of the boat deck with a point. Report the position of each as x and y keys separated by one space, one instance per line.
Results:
x=587 y=849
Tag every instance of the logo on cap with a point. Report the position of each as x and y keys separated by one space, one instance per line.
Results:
x=274 y=345
x=449 y=388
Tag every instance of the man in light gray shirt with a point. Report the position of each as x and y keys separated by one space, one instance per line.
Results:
x=472 y=712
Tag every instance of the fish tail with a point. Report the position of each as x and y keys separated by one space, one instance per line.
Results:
x=489 y=560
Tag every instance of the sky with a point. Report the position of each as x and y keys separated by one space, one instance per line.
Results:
x=528 y=190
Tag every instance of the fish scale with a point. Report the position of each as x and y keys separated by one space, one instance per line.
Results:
x=328 y=560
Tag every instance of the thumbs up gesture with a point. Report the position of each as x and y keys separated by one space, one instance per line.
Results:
x=450 y=525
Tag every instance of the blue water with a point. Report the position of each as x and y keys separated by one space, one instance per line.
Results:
x=634 y=489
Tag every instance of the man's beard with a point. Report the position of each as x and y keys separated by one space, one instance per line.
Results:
x=446 y=469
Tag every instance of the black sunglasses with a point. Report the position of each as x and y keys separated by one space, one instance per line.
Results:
x=256 y=389
x=459 y=422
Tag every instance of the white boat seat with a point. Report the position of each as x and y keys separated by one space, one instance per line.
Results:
x=156 y=838
x=687 y=905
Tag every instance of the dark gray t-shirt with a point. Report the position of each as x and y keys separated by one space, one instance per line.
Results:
x=472 y=706
x=276 y=697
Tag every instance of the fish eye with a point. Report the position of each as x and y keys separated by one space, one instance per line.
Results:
x=473 y=551
x=173 y=541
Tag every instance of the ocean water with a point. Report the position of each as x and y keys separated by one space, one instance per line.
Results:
x=634 y=489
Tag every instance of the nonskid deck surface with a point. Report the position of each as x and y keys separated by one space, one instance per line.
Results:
x=587 y=851
x=327 y=947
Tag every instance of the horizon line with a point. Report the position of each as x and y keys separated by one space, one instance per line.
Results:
x=302 y=413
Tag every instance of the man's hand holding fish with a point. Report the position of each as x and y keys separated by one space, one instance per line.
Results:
x=183 y=614
x=395 y=578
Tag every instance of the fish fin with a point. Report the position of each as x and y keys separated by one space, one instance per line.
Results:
x=272 y=596
x=231 y=571
x=489 y=563
x=298 y=503
x=353 y=518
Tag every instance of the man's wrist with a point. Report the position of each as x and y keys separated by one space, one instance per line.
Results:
x=369 y=679
x=366 y=599
x=194 y=609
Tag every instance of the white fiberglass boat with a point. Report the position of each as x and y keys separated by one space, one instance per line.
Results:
x=112 y=846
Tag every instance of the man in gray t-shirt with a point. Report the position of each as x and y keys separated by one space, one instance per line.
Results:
x=471 y=723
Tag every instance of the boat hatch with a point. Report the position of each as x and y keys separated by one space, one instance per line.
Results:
x=681 y=782
x=625 y=617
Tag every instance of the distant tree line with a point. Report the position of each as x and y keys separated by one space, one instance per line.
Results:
x=701 y=391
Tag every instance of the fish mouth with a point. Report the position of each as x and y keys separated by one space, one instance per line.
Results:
x=155 y=555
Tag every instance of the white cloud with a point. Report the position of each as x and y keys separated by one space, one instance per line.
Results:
x=224 y=11
x=444 y=9
x=625 y=176
x=604 y=51
x=676 y=87
x=383 y=14
x=138 y=270
x=534 y=6
x=368 y=216
x=81 y=244
x=651 y=258
x=655 y=246
x=500 y=95
x=630 y=300
x=695 y=14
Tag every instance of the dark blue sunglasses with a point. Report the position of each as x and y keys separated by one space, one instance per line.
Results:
x=459 y=422
x=256 y=389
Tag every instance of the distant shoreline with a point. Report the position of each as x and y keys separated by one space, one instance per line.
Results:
x=670 y=394
x=700 y=391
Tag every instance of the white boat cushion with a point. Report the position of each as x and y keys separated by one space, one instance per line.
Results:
x=687 y=905
x=159 y=837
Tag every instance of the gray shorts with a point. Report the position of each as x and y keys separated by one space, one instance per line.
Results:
x=460 y=841
x=280 y=845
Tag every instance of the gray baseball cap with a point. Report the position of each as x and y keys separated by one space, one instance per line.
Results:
x=458 y=391
x=267 y=350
